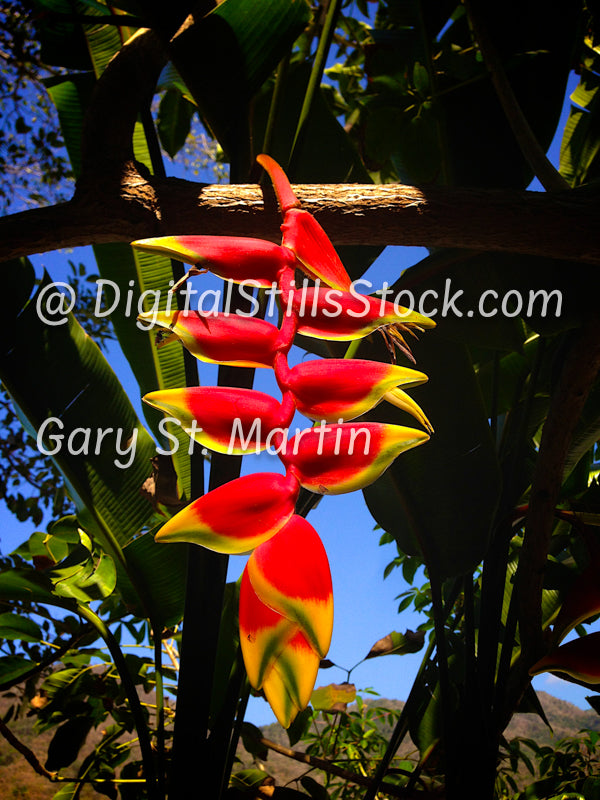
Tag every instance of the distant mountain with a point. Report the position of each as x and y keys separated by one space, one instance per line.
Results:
x=17 y=779
x=565 y=719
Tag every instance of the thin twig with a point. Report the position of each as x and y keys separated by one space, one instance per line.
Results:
x=28 y=754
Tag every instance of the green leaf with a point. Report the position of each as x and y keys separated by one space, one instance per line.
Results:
x=13 y=667
x=16 y=626
x=70 y=95
x=160 y=585
x=174 y=120
x=329 y=698
x=300 y=724
x=86 y=398
x=89 y=397
x=581 y=138
x=126 y=275
x=243 y=41
x=29 y=586
x=251 y=736
x=67 y=791
x=316 y=790
x=397 y=644
x=247 y=780
x=67 y=742
x=85 y=577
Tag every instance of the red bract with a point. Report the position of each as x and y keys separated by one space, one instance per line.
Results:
x=207 y=414
x=344 y=316
x=303 y=235
x=333 y=459
x=579 y=658
x=286 y=616
x=278 y=658
x=290 y=573
x=235 y=517
x=218 y=339
x=341 y=389
x=230 y=257
x=582 y=601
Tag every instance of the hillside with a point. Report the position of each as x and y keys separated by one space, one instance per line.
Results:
x=19 y=782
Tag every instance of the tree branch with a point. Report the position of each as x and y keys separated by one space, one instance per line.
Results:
x=352 y=777
x=28 y=754
x=562 y=225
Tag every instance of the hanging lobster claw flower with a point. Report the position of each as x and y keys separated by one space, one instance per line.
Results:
x=232 y=258
x=303 y=235
x=342 y=389
x=227 y=420
x=579 y=658
x=342 y=458
x=290 y=573
x=219 y=338
x=236 y=517
x=344 y=316
x=277 y=656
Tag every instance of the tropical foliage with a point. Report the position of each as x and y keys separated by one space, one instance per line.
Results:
x=500 y=508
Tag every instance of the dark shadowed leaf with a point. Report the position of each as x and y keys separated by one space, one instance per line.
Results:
x=397 y=644
x=316 y=790
x=251 y=736
x=16 y=626
x=454 y=476
x=299 y=725
x=66 y=743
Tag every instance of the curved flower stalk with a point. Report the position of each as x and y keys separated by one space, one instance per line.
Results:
x=302 y=234
x=286 y=606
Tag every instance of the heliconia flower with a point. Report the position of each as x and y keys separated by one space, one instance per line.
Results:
x=326 y=313
x=227 y=420
x=303 y=235
x=342 y=389
x=219 y=338
x=235 y=517
x=333 y=459
x=277 y=656
x=230 y=257
x=579 y=658
x=290 y=573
